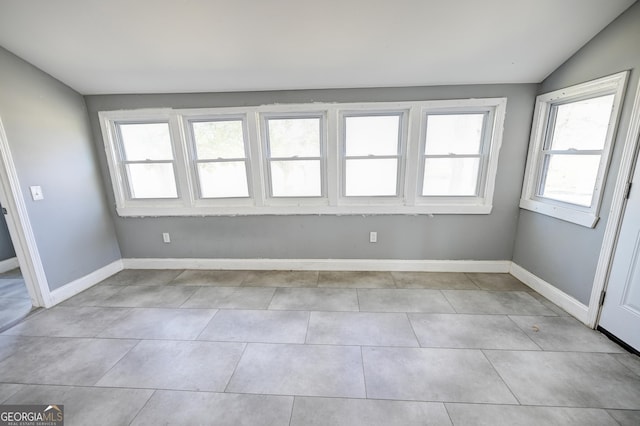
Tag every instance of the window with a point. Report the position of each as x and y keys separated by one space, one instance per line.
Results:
x=570 y=146
x=372 y=154
x=148 y=160
x=454 y=154
x=430 y=157
x=294 y=147
x=220 y=157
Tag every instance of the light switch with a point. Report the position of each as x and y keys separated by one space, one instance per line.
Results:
x=36 y=193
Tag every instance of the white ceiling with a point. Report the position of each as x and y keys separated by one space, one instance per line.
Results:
x=149 y=46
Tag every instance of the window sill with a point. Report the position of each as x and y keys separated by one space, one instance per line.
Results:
x=586 y=219
x=277 y=210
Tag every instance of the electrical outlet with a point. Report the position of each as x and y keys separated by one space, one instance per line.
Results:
x=373 y=237
x=165 y=237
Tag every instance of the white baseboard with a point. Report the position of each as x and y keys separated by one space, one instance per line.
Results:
x=74 y=287
x=563 y=300
x=8 y=264
x=560 y=298
x=323 y=264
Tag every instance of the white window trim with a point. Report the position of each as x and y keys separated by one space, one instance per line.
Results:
x=491 y=144
x=403 y=115
x=269 y=199
x=332 y=202
x=584 y=216
x=186 y=120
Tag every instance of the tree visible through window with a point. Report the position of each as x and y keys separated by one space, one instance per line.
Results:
x=418 y=157
x=453 y=154
x=148 y=160
x=573 y=149
x=220 y=157
x=294 y=146
x=571 y=140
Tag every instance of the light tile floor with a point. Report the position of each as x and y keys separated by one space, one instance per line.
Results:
x=317 y=348
x=15 y=302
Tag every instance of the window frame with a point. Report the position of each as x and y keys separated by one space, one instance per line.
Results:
x=541 y=133
x=402 y=115
x=484 y=155
x=116 y=159
x=270 y=199
x=495 y=110
x=199 y=201
x=332 y=201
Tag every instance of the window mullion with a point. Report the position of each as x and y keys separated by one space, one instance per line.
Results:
x=332 y=164
x=181 y=158
x=412 y=158
x=255 y=155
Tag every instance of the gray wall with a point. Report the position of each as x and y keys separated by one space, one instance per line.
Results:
x=480 y=237
x=562 y=253
x=50 y=138
x=6 y=247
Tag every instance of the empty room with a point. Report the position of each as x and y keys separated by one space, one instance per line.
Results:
x=340 y=213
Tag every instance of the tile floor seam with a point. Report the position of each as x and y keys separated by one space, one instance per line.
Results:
x=523 y=331
x=431 y=401
x=118 y=361
x=500 y=375
x=235 y=368
x=624 y=365
x=455 y=311
x=413 y=330
x=364 y=375
x=109 y=323
x=133 y=419
x=314 y=344
x=446 y=409
x=306 y=332
x=293 y=405
x=2 y=401
x=197 y=338
x=273 y=295
x=195 y=289
x=395 y=282
x=466 y=274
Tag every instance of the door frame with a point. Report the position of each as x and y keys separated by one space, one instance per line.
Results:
x=20 y=230
x=616 y=212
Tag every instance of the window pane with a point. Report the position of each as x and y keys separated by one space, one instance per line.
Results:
x=219 y=139
x=223 y=180
x=583 y=124
x=450 y=176
x=296 y=178
x=373 y=135
x=146 y=141
x=152 y=180
x=371 y=177
x=571 y=178
x=454 y=134
x=294 y=137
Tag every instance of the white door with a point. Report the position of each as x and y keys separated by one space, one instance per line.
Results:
x=621 y=311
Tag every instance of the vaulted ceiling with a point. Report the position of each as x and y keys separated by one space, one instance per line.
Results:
x=163 y=46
